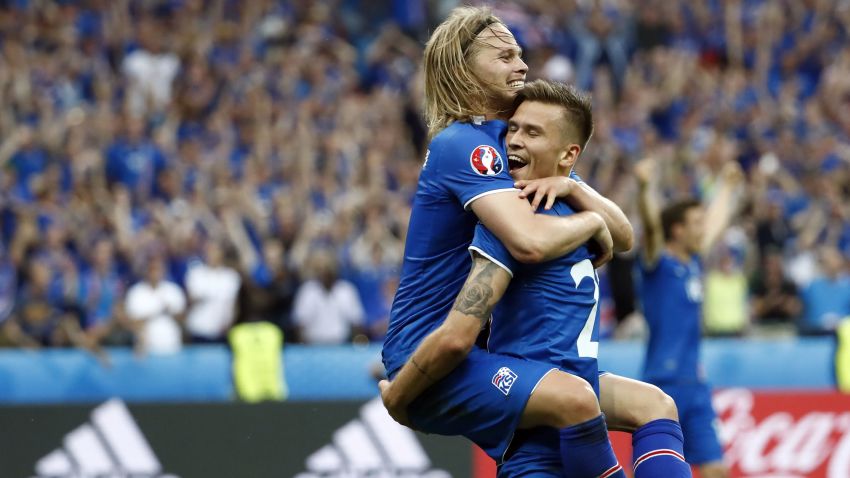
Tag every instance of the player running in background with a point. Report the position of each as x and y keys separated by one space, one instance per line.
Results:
x=675 y=242
x=473 y=72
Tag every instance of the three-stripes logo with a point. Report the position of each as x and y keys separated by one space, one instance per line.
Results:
x=111 y=445
x=373 y=445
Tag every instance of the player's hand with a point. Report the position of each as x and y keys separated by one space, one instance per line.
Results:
x=547 y=189
x=398 y=412
x=644 y=171
x=603 y=250
x=732 y=174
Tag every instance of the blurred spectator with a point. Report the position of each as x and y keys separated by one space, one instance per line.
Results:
x=134 y=161
x=268 y=292
x=376 y=283
x=100 y=294
x=826 y=300
x=775 y=299
x=37 y=319
x=622 y=283
x=772 y=229
x=150 y=70
x=601 y=28
x=29 y=158
x=327 y=309
x=211 y=287
x=257 y=348
x=725 y=309
x=8 y=284
x=155 y=306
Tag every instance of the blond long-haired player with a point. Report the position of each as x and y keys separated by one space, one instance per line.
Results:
x=473 y=72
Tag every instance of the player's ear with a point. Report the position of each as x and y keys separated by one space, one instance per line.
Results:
x=568 y=156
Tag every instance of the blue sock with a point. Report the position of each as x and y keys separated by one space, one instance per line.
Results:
x=657 y=450
x=586 y=451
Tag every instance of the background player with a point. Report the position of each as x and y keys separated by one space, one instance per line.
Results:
x=473 y=72
x=675 y=242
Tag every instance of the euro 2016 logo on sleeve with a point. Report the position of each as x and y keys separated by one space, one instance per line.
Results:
x=504 y=380
x=486 y=161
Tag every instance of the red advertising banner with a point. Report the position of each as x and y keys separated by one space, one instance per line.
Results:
x=778 y=434
x=768 y=434
x=785 y=434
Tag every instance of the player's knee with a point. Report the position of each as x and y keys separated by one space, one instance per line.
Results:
x=652 y=404
x=560 y=400
x=663 y=405
x=575 y=403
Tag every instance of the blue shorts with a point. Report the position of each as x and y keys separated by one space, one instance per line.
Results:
x=698 y=420
x=482 y=399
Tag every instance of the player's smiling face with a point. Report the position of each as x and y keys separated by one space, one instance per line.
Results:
x=497 y=62
x=537 y=143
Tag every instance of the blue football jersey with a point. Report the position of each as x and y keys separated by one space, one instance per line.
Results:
x=549 y=312
x=464 y=162
x=672 y=303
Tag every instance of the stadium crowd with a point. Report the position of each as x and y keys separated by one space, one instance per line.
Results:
x=168 y=168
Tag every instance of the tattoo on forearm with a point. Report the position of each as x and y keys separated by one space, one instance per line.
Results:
x=421 y=369
x=474 y=298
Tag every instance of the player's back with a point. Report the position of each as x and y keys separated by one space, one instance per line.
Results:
x=672 y=303
x=548 y=313
x=464 y=162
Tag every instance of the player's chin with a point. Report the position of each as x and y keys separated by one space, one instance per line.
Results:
x=507 y=96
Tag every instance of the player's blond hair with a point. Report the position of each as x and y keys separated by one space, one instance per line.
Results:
x=452 y=91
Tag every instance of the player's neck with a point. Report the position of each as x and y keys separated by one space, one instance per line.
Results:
x=503 y=114
x=679 y=252
x=496 y=116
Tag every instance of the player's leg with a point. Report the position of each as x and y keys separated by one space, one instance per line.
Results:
x=630 y=404
x=651 y=416
x=560 y=400
x=699 y=424
x=567 y=402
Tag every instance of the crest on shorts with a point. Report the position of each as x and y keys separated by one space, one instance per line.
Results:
x=486 y=161
x=504 y=380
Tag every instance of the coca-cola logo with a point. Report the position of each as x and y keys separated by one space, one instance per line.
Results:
x=785 y=435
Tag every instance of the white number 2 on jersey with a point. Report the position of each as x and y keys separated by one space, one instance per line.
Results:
x=586 y=346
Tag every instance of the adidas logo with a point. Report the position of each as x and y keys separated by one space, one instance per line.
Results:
x=373 y=446
x=110 y=446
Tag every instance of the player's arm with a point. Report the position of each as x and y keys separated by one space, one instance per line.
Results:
x=580 y=196
x=446 y=347
x=531 y=237
x=653 y=240
x=719 y=213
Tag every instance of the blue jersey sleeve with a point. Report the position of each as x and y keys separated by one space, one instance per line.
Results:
x=471 y=166
x=488 y=245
